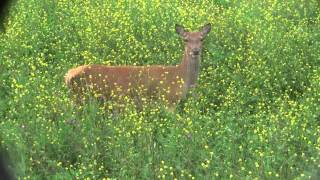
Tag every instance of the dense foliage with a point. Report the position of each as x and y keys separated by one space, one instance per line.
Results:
x=255 y=113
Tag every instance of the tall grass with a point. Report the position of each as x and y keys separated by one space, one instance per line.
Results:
x=254 y=115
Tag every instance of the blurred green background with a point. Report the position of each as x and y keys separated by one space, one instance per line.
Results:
x=256 y=114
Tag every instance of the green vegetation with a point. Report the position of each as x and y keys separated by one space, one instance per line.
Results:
x=255 y=115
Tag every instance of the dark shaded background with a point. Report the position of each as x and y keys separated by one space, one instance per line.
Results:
x=4 y=10
x=4 y=170
x=5 y=173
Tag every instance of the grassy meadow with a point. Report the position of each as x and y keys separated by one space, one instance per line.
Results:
x=255 y=113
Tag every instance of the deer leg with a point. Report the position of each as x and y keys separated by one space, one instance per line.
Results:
x=137 y=100
x=138 y=103
x=171 y=108
x=194 y=94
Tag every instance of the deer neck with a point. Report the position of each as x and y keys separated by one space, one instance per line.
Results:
x=191 y=67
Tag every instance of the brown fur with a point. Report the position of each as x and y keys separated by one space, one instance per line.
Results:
x=168 y=83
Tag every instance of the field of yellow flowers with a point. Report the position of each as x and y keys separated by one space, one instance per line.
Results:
x=255 y=115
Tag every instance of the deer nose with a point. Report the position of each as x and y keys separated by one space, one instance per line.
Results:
x=196 y=51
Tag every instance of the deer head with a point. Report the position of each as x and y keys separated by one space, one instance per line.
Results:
x=193 y=47
x=193 y=39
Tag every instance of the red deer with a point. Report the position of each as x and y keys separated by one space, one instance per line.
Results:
x=167 y=83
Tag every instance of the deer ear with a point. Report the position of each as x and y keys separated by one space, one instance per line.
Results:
x=206 y=29
x=180 y=30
